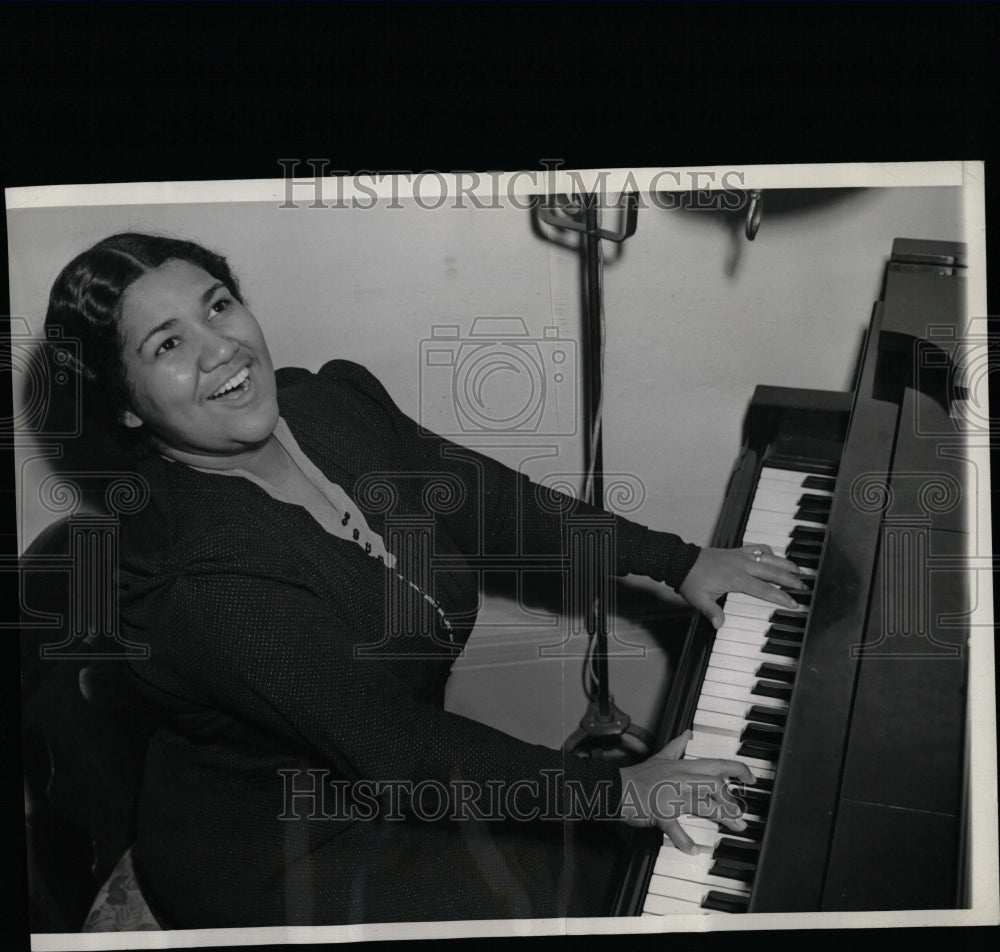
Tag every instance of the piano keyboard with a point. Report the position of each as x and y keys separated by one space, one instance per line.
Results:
x=744 y=701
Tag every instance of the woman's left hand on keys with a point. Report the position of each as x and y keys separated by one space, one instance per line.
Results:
x=752 y=569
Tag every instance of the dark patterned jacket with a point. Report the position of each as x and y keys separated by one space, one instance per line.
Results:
x=278 y=654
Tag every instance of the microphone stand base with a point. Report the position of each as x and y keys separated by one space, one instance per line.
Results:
x=611 y=737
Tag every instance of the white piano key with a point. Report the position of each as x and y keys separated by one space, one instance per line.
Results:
x=767 y=485
x=726 y=646
x=721 y=746
x=767 y=521
x=781 y=523
x=749 y=816
x=734 y=886
x=778 y=544
x=695 y=869
x=714 y=691
x=745 y=636
x=778 y=499
x=745 y=609
x=656 y=905
x=733 y=620
x=717 y=723
x=712 y=745
x=761 y=769
x=734 y=707
x=711 y=825
x=790 y=486
x=742 y=598
x=734 y=649
x=787 y=502
x=783 y=517
x=688 y=884
x=705 y=837
x=756 y=667
x=729 y=634
x=771 y=476
x=745 y=679
x=759 y=614
x=776 y=472
x=719 y=659
x=742 y=690
x=769 y=480
x=782 y=552
x=677 y=888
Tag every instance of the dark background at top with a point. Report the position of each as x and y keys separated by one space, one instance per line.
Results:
x=127 y=92
x=159 y=92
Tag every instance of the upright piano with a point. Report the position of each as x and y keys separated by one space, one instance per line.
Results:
x=851 y=712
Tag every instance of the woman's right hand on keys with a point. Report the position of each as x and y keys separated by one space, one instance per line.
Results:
x=664 y=787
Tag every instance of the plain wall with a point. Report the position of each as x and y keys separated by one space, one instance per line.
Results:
x=696 y=317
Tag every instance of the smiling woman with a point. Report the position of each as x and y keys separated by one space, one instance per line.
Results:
x=304 y=769
x=199 y=368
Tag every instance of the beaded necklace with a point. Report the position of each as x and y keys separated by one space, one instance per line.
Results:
x=342 y=518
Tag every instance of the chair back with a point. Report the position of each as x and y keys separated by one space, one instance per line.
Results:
x=85 y=733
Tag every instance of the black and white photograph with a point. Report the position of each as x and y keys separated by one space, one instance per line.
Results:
x=499 y=473
x=391 y=554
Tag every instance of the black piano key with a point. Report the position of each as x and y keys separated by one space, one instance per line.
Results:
x=754 y=802
x=781 y=648
x=785 y=633
x=764 y=783
x=775 y=671
x=753 y=831
x=826 y=483
x=757 y=751
x=760 y=784
x=812 y=515
x=803 y=561
x=773 y=689
x=808 y=534
x=743 y=874
x=731 y=850
x=720 y=901
x=808 y=549
x=803 y=598
x=762 y=734
x=795 y=537
x=788 y=618
x=767 y=715
x=814 y=503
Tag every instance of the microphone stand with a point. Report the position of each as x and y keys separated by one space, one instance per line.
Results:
x=605 y=732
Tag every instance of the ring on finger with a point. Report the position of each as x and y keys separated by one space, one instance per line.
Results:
x=757 y=553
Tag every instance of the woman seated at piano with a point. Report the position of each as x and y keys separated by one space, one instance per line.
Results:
x=305 y=770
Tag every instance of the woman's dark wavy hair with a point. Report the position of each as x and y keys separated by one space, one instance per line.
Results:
x=85 y=307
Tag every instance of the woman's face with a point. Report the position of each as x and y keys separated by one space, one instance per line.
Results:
x=198 y=366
